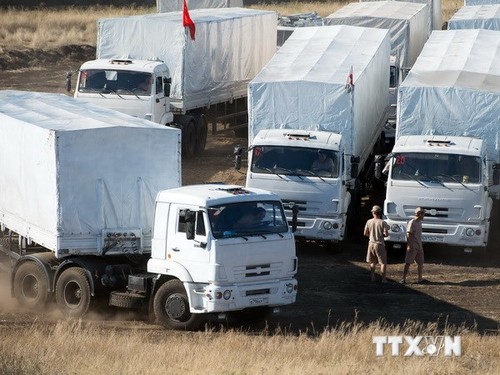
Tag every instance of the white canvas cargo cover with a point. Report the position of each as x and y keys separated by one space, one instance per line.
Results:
x=407 y=23
x=480 y=2
x=304 y=85
x=435 y=11
x=175 y=5
x=454 y=88
x=71 y=170
x=476 y=17
x=230 y=48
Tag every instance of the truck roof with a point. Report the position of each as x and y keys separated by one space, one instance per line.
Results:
x=298 y=138
x=149 y=66
x=439 y=144
x=64 y=113
x=214 y=194
x=476 y=17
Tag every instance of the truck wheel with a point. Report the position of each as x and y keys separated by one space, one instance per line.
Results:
x=73 y=292
x=31 y=287
x=201 y=133
x=171 y=307
x=127 y=300
x=189 y=138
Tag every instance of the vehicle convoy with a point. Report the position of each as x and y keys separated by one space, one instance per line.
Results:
x=408 y=24
x=447 y=149
x=300 y=104
x=149 y=67
x=476 y=17
x=99 y=213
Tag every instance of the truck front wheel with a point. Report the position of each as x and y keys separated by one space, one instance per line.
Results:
x=171 y=307
x=73 y=292
x=31 y=286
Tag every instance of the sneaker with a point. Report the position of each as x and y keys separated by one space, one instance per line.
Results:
x=402 y=281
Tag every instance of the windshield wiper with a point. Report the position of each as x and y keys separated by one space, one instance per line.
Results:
x=274 y=172
x=312 y=173
x=414 y=178
x=455 y=180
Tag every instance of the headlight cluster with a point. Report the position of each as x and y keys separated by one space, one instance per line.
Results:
x=328 y=225
x=226 y=294
x=470 y=232
x=290 y=288
x=395 y=228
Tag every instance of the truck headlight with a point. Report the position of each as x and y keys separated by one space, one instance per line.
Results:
x=469 y=232
x=395 y=228
x=327 y=225
x=227 y=294
x=289 y=288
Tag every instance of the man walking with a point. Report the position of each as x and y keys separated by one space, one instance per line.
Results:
x=414 y=248
x=376 y=229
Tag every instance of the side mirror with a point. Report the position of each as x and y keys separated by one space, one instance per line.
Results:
x=166 y=85
x=295 y=212
x=496 y=174
x=237 y=156
x=378 y=166
x=189 y=218
x=68 y=81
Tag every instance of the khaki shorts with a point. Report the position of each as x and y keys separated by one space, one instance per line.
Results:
x=376 y=253
x=414 y=255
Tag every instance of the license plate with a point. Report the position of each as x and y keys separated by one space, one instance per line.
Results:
x=432 y=238
x=259 y=301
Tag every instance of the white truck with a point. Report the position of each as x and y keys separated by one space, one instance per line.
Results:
x=435 y=11
x=447 y=150
x=82 y=190
x=164 y=6
x=476 y=17
x=149 y=67
x=304 y=101
x=408 y=27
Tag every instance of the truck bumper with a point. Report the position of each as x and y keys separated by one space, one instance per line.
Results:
x=215 y=298
x=469 y=235
x=320 y=228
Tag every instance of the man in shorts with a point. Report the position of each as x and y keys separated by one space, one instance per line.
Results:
x=376 y=229
x=414 y=248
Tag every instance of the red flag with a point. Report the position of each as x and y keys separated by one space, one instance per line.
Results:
x=187 y=21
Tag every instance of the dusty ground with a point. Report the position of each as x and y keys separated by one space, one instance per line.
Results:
x=334 y=285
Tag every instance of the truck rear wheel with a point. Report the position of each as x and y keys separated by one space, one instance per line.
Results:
x=73 y=292
x=126 y=300
x=201 y=133
x=171 y=307
x=189 y=138
x=31 y=287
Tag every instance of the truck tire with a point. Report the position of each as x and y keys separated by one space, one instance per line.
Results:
x=73 y=292
x=201 y=133
x=126 y=300
x=31 y=287
x=171 y=307
x=189 y=138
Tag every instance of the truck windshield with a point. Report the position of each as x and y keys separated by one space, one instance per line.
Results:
x=120 y=82
x=295 y=161
x=247 y=218
x=443 y=168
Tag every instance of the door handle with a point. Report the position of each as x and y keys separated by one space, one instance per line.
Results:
x=176 y=249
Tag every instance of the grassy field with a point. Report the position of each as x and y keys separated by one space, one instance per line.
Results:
x=47 y=29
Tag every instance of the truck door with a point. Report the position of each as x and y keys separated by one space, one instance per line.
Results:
x=193 y=254
x=159 y=100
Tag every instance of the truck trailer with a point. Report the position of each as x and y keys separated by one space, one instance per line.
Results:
x=95 y=201
x=476 y=17
x=149 y=66
x=409 y=30
x=446 y=155
x=325 y=90
x=164 y=6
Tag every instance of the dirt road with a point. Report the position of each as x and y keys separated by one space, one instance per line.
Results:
x=334 y=286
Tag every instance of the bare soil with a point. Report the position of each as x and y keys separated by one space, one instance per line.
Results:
x=334 y=284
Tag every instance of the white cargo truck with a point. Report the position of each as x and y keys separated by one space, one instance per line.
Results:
x=82 y=189
x=435 y=11
x=447 y=149
x=164 y=6
x=408 y=27
x=304 y=102
x=476 y=17
x=149 y=67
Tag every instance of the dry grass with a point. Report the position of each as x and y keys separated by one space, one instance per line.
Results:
x=49 y=28
x=76 y=348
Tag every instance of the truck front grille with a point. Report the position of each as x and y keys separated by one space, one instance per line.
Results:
x=257 y=270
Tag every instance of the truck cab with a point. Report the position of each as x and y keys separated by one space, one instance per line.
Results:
x=282 y=161
x=222 y=248
x=448 y=177
x=135 y=87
